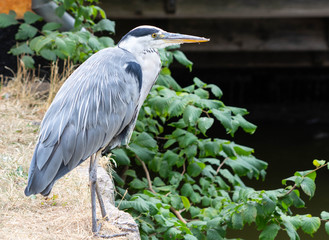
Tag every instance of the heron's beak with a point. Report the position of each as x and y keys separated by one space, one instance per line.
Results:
x=181 y=38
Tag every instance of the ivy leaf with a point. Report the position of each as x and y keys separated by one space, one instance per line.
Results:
x=51 y=26
x=25 y=31
x=204 y=123
x=191 y=115
x=308 y=186
x=7 y=20
x=104 y=25
x=269 y=232
x=30 y=17
x=199 y=83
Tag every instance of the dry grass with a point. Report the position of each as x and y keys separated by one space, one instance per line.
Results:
x=66 y=214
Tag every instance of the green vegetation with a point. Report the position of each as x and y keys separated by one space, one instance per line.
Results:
x=176 y=181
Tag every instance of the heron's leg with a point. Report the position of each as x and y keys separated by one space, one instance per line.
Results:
x=93 y=180
x=101 y=203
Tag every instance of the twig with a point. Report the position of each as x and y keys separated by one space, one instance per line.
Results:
x=220 y=166
x=178 y=214
x=295 y=185
x=146 y=173
x=184 y=169
x=206 y=112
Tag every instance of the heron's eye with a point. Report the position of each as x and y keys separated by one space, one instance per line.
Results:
x=154 y=35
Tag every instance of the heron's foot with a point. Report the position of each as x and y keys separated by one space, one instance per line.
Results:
x=112 y=235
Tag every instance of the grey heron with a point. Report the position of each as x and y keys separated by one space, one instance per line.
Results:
x=97 y=107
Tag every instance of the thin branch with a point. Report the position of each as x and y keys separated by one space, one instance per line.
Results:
x=206 y=112
x=184 y=169
x=178 y=215
x=146 y=173
x=221 y=165
x=295 y=185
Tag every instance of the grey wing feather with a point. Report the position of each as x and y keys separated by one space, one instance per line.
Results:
x=93 y=107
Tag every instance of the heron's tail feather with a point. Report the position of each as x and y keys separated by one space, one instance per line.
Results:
x=42 y=180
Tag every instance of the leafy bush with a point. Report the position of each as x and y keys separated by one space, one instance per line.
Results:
x=181 y=184
x=178 y=182
x=51 y=44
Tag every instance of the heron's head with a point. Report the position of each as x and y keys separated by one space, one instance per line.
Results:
x=148 y=37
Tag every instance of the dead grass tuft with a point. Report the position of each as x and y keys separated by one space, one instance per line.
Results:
x=66 y=213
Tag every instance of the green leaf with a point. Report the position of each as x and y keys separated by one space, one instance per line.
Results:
x=104 y=25
x=324 y=215
x=237 y=222
x=51 y=26
x=142 y=152
x=60 y=10
x=30 y=17
x=202 y=93
x=28 y=61
x=249 y=214
x=106 y=42
x=137 y=184
x=191 y=115
x=269 y=232
x=177 y=107
x=215 y=90
x=145 y=140
x=48 y=54
x=25 y=31
x=121 y=156
x=7 y=20
x=326 y=226
x=308 y=186
x=246 y=126
x=187 y=190
x=212 y=234
x=21 y=49
x=182 y=59
x=189 y=237
x=199 y=83
x=310 y=224
x=186 y=202
x=194 y=169
x=204 y=123
x=224 y=116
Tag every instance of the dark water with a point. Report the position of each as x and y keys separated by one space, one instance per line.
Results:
x=291 y=109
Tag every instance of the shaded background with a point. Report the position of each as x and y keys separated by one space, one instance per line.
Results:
x=269 y=56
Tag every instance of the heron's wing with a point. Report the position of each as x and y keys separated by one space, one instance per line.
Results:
x=95 y=104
